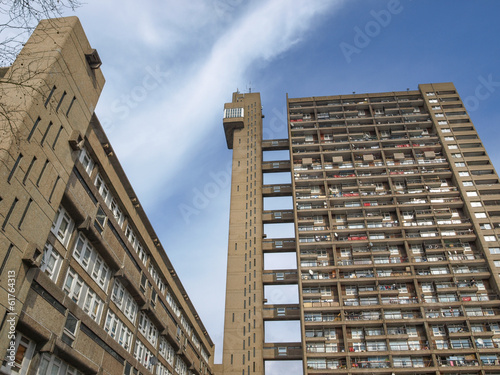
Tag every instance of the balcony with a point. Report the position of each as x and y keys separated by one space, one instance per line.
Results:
x=282 y=351
x=277 y=245
x=232 y=123
x=282 y=216
x=281 y=277
x=443 y=362
x=274 y=144
x=281 y=312
x=276 y=166
x=277 y=190
x=321 y=347
x=433 y=182
x=314 y=275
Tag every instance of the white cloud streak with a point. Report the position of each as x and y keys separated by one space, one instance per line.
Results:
x=193 y=108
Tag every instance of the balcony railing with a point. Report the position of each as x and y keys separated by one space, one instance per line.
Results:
x=457 y=362
x=330 y=364
x=370 y=364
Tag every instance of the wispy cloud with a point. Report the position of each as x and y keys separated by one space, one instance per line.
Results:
x=169 y=72
x=189 y=106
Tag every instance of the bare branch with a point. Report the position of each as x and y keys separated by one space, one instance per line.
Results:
x=20 y=17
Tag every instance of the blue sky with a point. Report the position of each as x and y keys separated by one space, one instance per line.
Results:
x=171 y=65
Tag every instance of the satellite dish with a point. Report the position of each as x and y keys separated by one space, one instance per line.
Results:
x=311 y=272
x=480 y=341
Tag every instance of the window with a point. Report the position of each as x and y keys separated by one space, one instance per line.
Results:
x=475 y=204
x=442 y=122
x=441 y=344
x=60 y=101
x=91 y=261
x=438 y=331
x=490 y=238
x=144 y=283
x=351 y=290
x=32 y=131
x=448 y=139
x=496 y=263
x=86 y=160
x=102 y=189
x=233 y=112
x=124 y=301
x=142 y=254
x=457 y=156
x=460 y=343
x=460 y=164
x=166 y=351
x=81 y=293
x=494 y=250
x=51 y=262
x=100 y=220
x=73 y=285
x=143 y=355
x=148 y=329
x=70 y=329
x=62 y=226
x=129 y=233
x=173 y=304
x=46 y=133
x=180 y=366
x=162 y=370
x=186 y=325
x=318 y=219
x=398 y=345
x=23 y=352
x=452 y=147
x=463 y=174
x=439 y=270
x=52 y=365
x=100 y=272
x=375 y=346
x=157 y=278
x=117 y=212
x=57 y=137
x=92 y=305
x=471 y=194
x=467 y=183
x=118 y=330
x=83 y=251
x=13 y=170
x=485 y=226
x=70 y=105
x=480 y=215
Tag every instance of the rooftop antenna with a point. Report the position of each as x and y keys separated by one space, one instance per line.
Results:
x=250 y=88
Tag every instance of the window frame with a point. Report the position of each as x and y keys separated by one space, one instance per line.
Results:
x=64 y=235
